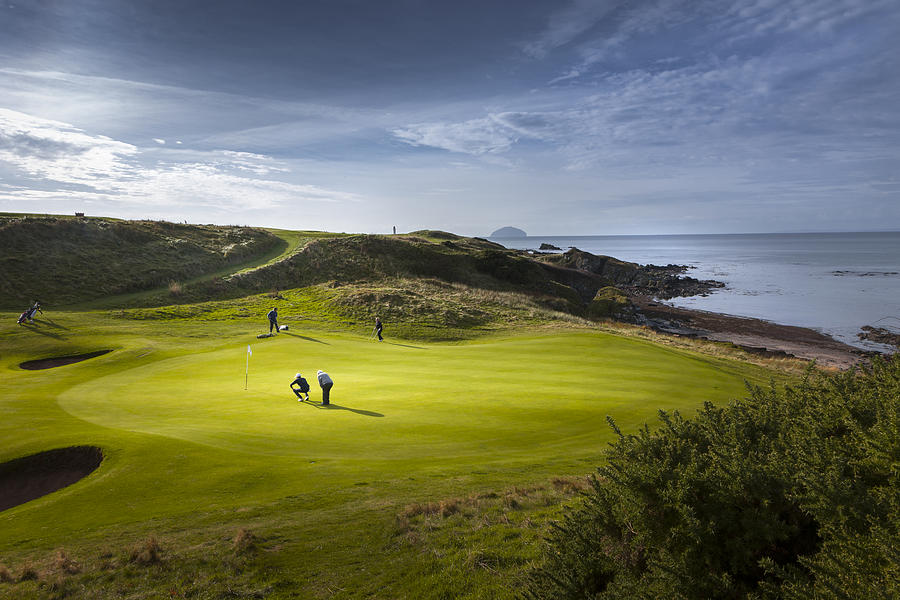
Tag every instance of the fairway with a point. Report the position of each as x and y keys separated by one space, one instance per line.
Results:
x=186 y=446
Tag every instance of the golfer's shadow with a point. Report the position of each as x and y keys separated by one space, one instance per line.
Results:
x=358 y=411
x=303 y=337
x=50 y=323
x=407 y=346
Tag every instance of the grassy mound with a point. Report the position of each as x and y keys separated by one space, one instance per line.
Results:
x=66 y=260
x=415 y=309
x=385 y=260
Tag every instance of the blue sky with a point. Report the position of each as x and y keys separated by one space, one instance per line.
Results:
x=558 y=117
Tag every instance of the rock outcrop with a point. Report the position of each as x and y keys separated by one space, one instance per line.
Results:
x=662 y=282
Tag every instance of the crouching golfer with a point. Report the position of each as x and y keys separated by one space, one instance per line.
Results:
x=326 y=383
x=302 y=387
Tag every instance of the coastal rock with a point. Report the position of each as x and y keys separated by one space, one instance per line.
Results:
x=879 y=335
x=664 y=282
x=546 y=246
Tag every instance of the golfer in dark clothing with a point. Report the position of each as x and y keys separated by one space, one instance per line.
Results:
x=326 y=383
x=378 y=328
x=273 y=320
x=302 y=387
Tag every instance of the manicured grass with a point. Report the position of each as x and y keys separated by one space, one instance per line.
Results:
x=192 y=457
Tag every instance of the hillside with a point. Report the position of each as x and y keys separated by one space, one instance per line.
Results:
x=140 y=264
x=361 y=260
x=64 y=260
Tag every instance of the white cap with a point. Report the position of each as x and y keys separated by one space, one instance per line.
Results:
x=298 y=376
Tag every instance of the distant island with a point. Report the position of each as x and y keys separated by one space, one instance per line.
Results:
x=508 y=232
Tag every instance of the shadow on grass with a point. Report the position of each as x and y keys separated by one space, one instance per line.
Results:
x=303 y=337
x=31 y=327
x=49 y=322
x=407 y=346
x=332 y=406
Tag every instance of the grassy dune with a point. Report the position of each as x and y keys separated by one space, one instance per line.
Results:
x=431 y=476
x=64 y=260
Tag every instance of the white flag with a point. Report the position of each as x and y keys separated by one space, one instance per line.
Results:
x=249 y=351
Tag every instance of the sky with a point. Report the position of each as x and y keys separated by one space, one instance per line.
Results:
x=562 y=117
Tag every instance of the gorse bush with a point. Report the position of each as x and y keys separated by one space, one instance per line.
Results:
x=784 y=494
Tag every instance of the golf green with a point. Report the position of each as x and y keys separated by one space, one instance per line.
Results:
x=187 y=448
x=397 y=408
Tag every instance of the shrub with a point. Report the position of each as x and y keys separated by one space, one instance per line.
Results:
x=65 y=564
x=148 y=553
x=5 y=575
x=608 y=302
x=244 y=541
x=784 y=494
x=29 y=573
x=175 y=288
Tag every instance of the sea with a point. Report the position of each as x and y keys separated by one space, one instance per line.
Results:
x=831 y=282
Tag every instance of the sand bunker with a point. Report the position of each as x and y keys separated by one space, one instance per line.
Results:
x=25 y=479
x=49 y=363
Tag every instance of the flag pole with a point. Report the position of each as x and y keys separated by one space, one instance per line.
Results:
x=247 y=371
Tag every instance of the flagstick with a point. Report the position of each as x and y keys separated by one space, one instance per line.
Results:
x=247 y=371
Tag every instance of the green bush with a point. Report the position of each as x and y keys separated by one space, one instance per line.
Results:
x=608 y=302
x=785 y=494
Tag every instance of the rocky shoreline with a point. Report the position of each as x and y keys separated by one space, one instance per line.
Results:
x=752 y=335
x=647 y=286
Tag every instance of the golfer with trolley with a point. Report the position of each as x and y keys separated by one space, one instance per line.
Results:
x=273 y=320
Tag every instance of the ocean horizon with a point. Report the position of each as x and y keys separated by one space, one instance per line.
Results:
x=831 y=282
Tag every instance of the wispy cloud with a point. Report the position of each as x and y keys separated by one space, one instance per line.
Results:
x=72 y=163
x=709 y=26
x=779 y=108
x=568 y=24
x=161 y=112
x=487 y=135
x=757 y=17
x=59 y=152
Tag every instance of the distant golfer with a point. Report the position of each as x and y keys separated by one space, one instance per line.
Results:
x=378 y=328
x=273 y=320
x=326 y=383
x=302 y=387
